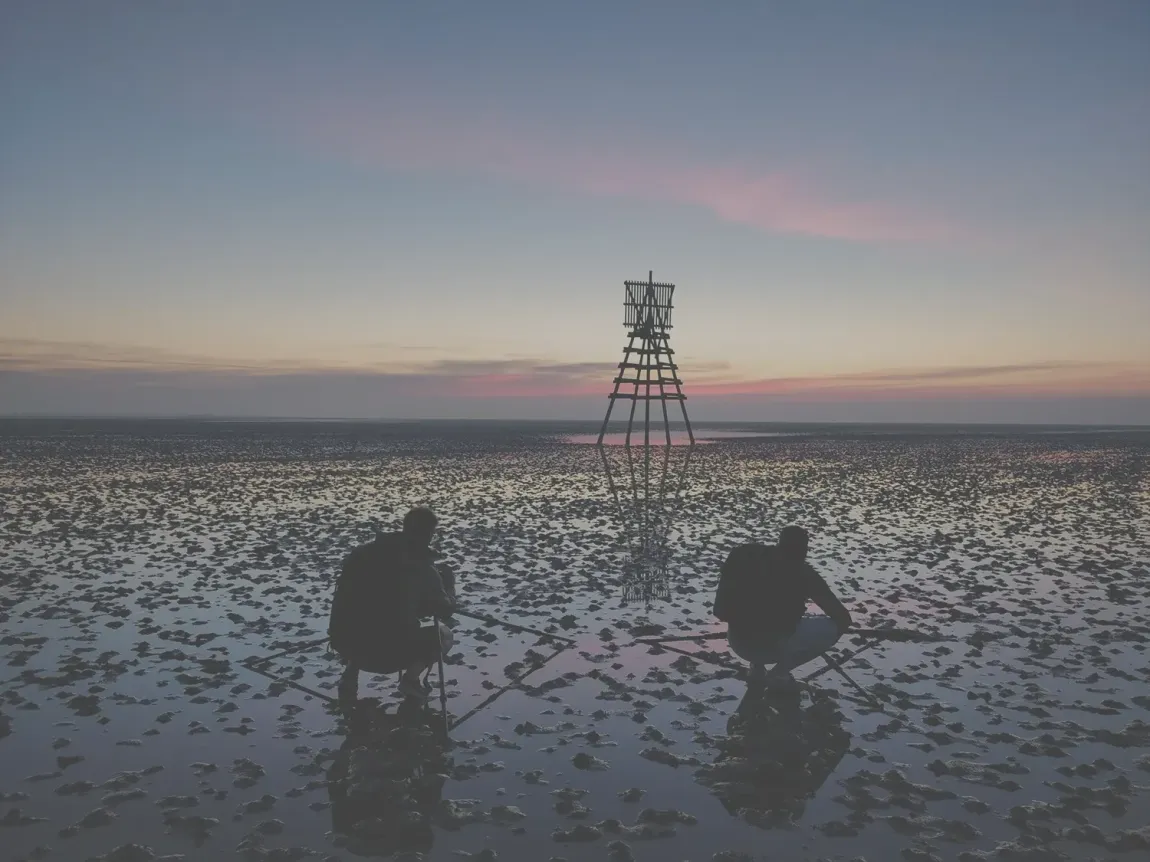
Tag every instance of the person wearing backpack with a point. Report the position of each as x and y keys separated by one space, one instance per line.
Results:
x=384 y=588
x=762 y=596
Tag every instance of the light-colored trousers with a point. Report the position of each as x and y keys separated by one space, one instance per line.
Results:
x=814 y=635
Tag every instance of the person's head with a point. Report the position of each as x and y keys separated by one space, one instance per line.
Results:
x=419 y=525
x=793 y=543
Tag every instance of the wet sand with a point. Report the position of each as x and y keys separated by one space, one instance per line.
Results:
x=142 y=563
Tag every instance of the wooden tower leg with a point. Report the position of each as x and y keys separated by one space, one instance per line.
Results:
x=627 y=351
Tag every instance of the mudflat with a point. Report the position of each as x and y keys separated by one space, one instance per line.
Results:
x=144 y=564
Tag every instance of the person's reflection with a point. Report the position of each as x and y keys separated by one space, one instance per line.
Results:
x=387 y=779
x=777 y=753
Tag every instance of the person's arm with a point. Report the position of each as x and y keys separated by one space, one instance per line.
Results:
x=433 y=598
x=822 y=595
x=447 y=578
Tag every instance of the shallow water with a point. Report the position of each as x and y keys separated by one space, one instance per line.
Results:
x=143 y=562
x=702 y=434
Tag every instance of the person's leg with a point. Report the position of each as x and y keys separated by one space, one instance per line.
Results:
x=446 y=639
x=410 y=684
x=429 y=642
x=348 y=689
x=814 y=635
x=382 y=655
x=754 y=649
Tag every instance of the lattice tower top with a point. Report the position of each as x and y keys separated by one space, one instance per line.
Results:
x=647 y=305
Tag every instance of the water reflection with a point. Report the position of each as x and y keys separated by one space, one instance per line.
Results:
x=776 y=755
x=387 y=780
x=646 y=483
x=678 y=437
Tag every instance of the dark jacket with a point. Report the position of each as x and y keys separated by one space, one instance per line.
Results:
x=383 y=590
x=761 y=591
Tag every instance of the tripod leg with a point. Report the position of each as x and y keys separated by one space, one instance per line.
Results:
x=838 y=668
x=442 y=675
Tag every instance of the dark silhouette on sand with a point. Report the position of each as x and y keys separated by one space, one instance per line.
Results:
x=762 y=596
x=384 y=589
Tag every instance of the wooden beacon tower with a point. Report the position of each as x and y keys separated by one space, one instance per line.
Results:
x=647 y=375
x=650 y=363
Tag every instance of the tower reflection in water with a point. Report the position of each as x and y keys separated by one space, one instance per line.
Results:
x=647 y=504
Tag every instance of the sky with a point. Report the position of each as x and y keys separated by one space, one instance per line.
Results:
x=883 y=211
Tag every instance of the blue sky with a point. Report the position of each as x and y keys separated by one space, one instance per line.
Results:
x=900 y=210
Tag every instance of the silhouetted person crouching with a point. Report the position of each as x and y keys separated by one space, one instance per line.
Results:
x=383 y=591
x=762 y=596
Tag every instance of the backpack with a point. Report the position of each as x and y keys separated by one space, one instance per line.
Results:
x=760 y=589
x=742 y=580
x=372 y=596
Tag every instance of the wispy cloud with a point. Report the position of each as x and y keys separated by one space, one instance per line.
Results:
x=770 y=198
x=1049 y=377
x=458 y=377
x=527 y=377
x=29 y=354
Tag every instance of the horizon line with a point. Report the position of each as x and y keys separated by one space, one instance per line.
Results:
x=221 y=417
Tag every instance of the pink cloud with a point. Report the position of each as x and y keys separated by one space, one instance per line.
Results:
x=1021 y=380
x=531 y=379
x=772 y=200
